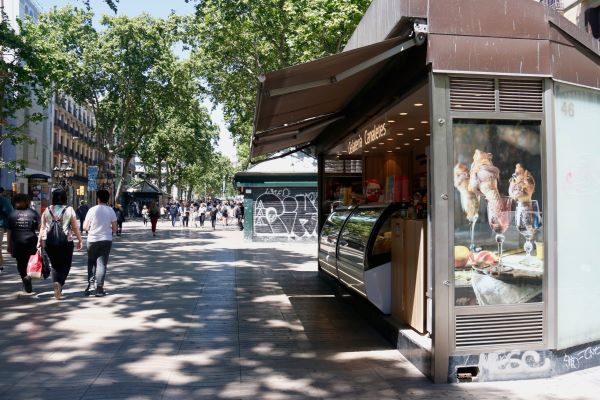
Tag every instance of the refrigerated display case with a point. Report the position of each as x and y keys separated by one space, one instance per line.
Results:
x=328 y=240
x=355 y=247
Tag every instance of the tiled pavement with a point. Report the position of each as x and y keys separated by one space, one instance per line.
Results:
x=204 y=315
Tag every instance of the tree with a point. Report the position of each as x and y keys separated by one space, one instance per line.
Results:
x=126 y=73
x=182 y=149
x=235 y=42
x=23 y=79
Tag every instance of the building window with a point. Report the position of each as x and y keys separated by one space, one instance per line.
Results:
x=592 y=21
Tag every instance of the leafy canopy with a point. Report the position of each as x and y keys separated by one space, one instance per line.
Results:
x=234 y=42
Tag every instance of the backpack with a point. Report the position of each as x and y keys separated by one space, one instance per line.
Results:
x=56 y=235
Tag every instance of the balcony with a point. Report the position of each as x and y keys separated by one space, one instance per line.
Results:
x=554 y=4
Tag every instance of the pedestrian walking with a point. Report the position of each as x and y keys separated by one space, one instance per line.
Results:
x=145 y=214
x=196 y=216
x=202 y=214
x=185 y=215
x=154 y=214
x=173 y=212
x=213 y=217
x=81 y=213
x=59 y=223
x=101 y=224
x=120 y=218
x=5 y=210
x=21 y=237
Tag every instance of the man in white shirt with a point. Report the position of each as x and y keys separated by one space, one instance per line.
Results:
x=101 y=224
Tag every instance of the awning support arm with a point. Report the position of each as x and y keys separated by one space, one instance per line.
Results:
x=417 y=39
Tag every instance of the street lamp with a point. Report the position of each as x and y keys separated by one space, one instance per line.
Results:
x=62 y=175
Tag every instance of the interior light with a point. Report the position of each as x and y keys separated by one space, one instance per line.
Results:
x=397 y=148
x=428 y=134
x=381 y=143
x=391 y=121
x=373 y=147
x=407 y=144
x=418 y=104
x=366 y=151
x=344 y=151
x=416 y=139
x=389 y=151
x=403 y=113
x=411 y=129
x=424 y=122
x=390 y=139
x=399 y=134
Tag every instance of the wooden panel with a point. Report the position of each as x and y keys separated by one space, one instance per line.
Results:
x=415 y=278
x=398 y=258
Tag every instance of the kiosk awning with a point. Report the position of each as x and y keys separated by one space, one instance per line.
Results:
x=295 y=104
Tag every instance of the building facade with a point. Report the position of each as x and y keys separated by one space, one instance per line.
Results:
x=36 y=153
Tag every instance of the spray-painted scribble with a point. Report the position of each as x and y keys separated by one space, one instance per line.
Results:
x=282 y=214
x=514 y=364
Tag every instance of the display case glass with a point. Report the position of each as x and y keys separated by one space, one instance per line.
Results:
x=498 y=215
x=365 y=243
x=329 y=238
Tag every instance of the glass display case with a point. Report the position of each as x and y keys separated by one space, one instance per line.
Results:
x=359 y=241
x=329 y=239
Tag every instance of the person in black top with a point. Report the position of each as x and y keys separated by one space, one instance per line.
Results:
x=120 y=218
x=22 y=239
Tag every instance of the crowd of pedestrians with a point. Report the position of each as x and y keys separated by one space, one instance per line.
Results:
x=196 y=214
x=56 y=232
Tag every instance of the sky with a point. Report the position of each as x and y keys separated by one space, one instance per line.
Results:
x=156 y=8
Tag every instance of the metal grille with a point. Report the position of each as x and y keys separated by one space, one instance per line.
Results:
x=499 y=329
x=520 y=95
x=472 y=94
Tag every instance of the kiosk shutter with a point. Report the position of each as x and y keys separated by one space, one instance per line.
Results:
x=285 y=214
x=499 y=329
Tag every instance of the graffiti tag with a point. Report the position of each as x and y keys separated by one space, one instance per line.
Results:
x=573 y=361
x=279 y=213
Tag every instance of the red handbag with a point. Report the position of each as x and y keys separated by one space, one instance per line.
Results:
x=34 y=266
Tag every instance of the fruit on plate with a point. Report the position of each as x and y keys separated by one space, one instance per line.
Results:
x=461 y=256
x=483 y=257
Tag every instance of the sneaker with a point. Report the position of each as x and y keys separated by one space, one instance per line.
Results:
x=27 y=286
x=88 y=290
x=100 y=291
x=57 y=290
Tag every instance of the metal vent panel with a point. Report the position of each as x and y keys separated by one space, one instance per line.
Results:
x=472 y=94
x=521 y=95
x=499 y=329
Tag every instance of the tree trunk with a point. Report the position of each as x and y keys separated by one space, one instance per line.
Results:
x=189 y=194
x=124 y=172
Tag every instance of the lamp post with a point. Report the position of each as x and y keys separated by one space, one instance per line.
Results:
x=61 y=175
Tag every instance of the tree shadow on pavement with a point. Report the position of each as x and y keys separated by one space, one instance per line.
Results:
x=198 y=314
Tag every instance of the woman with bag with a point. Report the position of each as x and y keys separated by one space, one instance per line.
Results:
x=22 y=224
x=59 y=222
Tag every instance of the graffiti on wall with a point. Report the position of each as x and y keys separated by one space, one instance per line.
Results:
x=514 y=365
x=283 y=213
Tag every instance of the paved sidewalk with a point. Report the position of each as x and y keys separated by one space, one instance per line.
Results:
x=205 y=315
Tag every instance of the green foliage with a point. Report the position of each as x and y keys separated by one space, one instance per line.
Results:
x=24 y=79
x=127 y=73
x=236 y=41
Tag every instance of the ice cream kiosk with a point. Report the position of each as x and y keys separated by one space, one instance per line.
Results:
x=457 y=150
